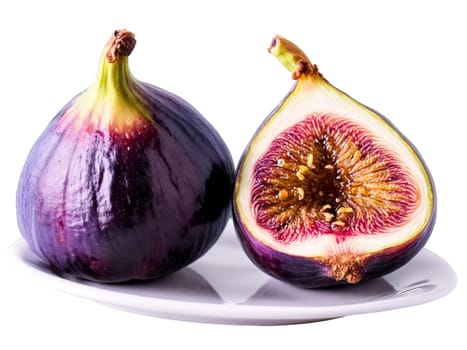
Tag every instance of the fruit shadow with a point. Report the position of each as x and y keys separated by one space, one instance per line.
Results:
x=275 y=292
x=184 y=285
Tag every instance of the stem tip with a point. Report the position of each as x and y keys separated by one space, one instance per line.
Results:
x=121 y=43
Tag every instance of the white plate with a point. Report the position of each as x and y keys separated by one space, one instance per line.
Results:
x=225 y=287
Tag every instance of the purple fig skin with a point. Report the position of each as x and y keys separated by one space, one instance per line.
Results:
x=311 y=273
x=110 y=208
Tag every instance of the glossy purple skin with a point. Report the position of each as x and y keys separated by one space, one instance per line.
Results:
x=311 y=273
x=100 y=206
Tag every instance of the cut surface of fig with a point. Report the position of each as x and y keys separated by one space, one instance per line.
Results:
x=330 y=182
x=326 y=176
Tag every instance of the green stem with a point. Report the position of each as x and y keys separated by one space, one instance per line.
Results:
x=114 y=77
x=114 y=82
x=292 y=58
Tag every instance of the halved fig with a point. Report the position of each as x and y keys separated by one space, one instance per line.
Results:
x=328 y=191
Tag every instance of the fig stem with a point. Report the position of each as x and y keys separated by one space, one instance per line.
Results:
x=121 y=43
x=115 y=88
x=292 y=58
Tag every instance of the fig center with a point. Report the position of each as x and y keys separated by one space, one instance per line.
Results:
x=327 y=175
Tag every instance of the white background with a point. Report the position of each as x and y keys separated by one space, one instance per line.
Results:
x=404 y=59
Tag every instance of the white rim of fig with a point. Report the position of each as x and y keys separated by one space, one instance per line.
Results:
x=313 y=97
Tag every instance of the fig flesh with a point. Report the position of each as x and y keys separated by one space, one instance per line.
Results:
x=328 y=191
x=127 y=182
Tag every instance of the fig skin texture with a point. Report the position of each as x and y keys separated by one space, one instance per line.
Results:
x=302 y=199
x=127 y=182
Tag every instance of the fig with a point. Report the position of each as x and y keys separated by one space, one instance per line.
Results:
x=328 y=191
x=127 y=182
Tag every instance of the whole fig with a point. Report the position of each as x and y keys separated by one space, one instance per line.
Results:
x=128 y=181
